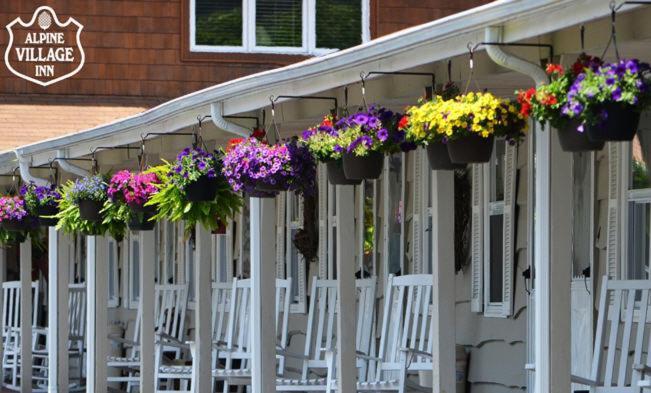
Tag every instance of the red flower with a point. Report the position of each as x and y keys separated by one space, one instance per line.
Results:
x=549 y=100
x=404 y=121
x=554 y=69
x=233 y=142
x=524 y=98
x=327 y=122
x=258 y=134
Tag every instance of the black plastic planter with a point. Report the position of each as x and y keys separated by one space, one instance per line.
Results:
x=140 y=218
x=361 y=168
x=16 y=226
x=336 y=174
x=574 y=141
x=473 y=149
x=619 y=125
x=90 y=210
x=44 y=215
x=439 y=158
x=202 y=190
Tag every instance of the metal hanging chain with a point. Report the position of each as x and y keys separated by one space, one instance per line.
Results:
x=582 y=33
x=274 y=125
x=346 y=100
x=450 y=71
x=363 y=86
x=471 y=65
x=613 y=31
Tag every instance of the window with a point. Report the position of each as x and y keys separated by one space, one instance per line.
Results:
x=134 y=270
x=492 y=244
x=639 y=209
x=113 y=285
x=582 y=211
x=277 y=26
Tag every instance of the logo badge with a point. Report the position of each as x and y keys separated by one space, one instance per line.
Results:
x=44 y=50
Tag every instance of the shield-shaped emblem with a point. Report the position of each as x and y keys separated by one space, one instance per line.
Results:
x=44 y=50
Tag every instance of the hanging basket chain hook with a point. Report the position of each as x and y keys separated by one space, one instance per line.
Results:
x=274 y=125
x=363 y=76
x=471 y=64
x=582 y=38
x=613 y=31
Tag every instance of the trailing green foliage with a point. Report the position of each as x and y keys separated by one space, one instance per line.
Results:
x=172 y=204
x=71 y=222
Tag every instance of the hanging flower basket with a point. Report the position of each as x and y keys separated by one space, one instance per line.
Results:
x=363 y=167
x=204 y=189
x=46 y=215
x=261 y=170
x=473 y=149
x=574 y=141
x=336 y=174
x=439 y=158
x=13 y=214
x=140 y=218
x=619 y=124
x=90 y=209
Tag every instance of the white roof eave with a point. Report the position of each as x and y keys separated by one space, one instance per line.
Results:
x=423 y=44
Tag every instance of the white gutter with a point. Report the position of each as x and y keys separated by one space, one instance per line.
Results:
x=68 y=167
x=506 y=60
x=23 y=166
x=412 y=47
x=217 y=117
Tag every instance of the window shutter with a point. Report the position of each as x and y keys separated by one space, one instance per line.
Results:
x=322 y=182
x=614 y=214
x=477 y=241
x=416 y=227
x=281 y=202
x=510 y=200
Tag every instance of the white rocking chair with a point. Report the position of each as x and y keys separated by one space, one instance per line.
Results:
x=11 y=331
x=167 y=374
x=620 y=359
x=169 y=319
x=405 y=345
x=233 y=358
x=320 y=337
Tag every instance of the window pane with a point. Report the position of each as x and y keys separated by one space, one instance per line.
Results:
x=218 y=22
x=135 y=269
x=497 y=172
x=496 y=257
x=582 y=211
x=338 y=23
x=279 y=23
x=395 y=212
x=640 y=150
x=638 y=245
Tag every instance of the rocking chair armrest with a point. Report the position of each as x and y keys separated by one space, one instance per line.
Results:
x=642 y=367
x=123 y=341
x=582 y=380
x=40 y=330
x=283 y=352
x=175 y=344
x=358 y=354
x=166 y=337
x=293 y=333
x=415 y=352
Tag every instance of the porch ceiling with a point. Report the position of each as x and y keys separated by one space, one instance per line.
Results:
x=419 y=47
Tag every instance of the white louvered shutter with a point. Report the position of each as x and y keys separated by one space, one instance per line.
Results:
x=322 y=182
x=477 y=239
x=281 y=227
x=613 y=254
x=510 y=200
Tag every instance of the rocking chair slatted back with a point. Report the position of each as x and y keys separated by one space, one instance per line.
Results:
x=221 y=301
x=11 y=308
x=406 y=323
x=77 y=312
x=238 y=337
x=621 y=329
x=321 y=333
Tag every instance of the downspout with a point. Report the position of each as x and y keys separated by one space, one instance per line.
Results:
x=68 y=167
x=217 y=116
x=540 y=170
x=494 y=34
x=23 y=166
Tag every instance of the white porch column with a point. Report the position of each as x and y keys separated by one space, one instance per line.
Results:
x=26 y=315
x=263 y=289
x=203 y=310
x=443 y=291
x=57 y=339
x=3 y=278
x=552 y=262
x=97 y=273
x=346 y=345
x=147 y=336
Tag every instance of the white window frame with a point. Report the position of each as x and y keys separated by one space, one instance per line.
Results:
x=249 y=26
x=482 y=210
x=133 y=299
x=113 y=297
